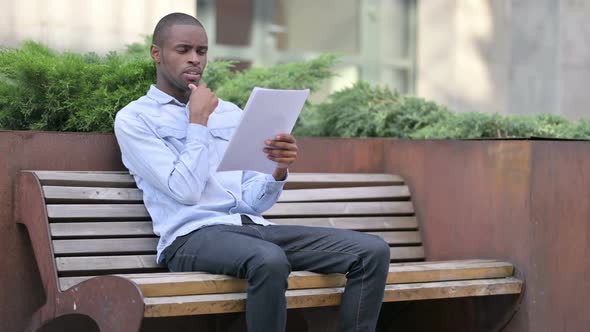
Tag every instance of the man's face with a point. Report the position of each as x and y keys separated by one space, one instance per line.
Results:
x=181 y=59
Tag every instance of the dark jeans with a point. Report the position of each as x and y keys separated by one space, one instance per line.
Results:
x=265 y=255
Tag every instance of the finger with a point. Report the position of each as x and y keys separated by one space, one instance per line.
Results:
x=280 y=144
x=192 y=87
x=284 y=161
x=285 y=138
x=281 y=153
x=202 y=85
x=278 y=150
x=283 y=146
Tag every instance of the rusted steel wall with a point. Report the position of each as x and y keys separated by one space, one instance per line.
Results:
x=523 y=201
x=559 y=260
x=339 y=155
x=21 y=291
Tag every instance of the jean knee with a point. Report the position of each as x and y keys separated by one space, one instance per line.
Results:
x=271 y=262
x=378 y=250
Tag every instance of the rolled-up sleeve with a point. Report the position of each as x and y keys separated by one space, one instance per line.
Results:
x=261 y=191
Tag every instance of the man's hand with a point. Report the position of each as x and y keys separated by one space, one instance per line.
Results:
x=283 y=150
x=202 y=103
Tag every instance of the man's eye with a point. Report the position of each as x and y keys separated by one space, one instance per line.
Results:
x=181 y=49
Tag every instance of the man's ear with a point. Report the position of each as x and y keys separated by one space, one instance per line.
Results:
x=156 y=54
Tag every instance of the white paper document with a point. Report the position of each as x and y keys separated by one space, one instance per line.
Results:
x=268 y=112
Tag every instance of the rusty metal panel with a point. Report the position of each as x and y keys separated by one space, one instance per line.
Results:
x=463 y=190
x=559 y=276
x=337 y=155
x=522 y=201
x=21 y=291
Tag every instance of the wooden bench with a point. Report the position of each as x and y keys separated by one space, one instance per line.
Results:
x=95 y=249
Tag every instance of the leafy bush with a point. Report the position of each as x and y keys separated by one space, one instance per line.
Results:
x=41 y=89
x=44 y=90
x=365 y=111
x=297 y=75
x=483 y=125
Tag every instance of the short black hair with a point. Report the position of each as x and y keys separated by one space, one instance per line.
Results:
x=169 y=20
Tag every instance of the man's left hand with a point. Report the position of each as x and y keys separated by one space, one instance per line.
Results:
x=283 y=150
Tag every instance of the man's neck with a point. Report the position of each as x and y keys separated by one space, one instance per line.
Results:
x=178 y=95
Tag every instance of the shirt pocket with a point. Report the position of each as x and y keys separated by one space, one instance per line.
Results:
x=223 y=134
x=221 y=137
x=173 y=138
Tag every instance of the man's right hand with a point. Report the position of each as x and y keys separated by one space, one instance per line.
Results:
x=202 y=103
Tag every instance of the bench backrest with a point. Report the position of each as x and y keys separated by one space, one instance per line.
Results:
x=99 y=225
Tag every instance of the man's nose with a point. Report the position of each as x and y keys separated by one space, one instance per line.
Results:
x=194 y=58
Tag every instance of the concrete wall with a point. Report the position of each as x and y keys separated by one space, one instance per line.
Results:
x=512 y=57
x=574 y=64
x=83 y=26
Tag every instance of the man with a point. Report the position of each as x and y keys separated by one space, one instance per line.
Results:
x=172 y=140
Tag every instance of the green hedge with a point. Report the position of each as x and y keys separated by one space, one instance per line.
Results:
x=365 y=111
x=41 y=89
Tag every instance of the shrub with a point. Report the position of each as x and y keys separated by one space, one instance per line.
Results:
x=44 y=90
x=297 y=75
x=483 y=125
x=365 y=111
x=41 y=89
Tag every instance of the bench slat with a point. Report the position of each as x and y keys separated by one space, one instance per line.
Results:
x=62 y=194
x=235 y=302
x=191 y=284
x=101 y=229
x=106 y=263
x=327 y=180
x=404 y=254
x=111 y=264
x=197 y=283
x=345 y=194
x=340 y=209
x=58 y=194
x=148 y=245
x=105 y=246
x=354 y=223
x=86 y=179
x=399 y=238
x=87 y=211
x=295 y=180
x=139 y=228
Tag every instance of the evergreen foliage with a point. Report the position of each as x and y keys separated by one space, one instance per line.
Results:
x=41 y=89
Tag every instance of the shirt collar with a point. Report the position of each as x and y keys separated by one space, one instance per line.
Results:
x=162 y=97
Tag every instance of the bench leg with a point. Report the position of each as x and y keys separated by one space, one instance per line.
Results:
x=114 y=303
x=39 y=318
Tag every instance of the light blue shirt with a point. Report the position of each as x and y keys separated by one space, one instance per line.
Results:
x=174 y=161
